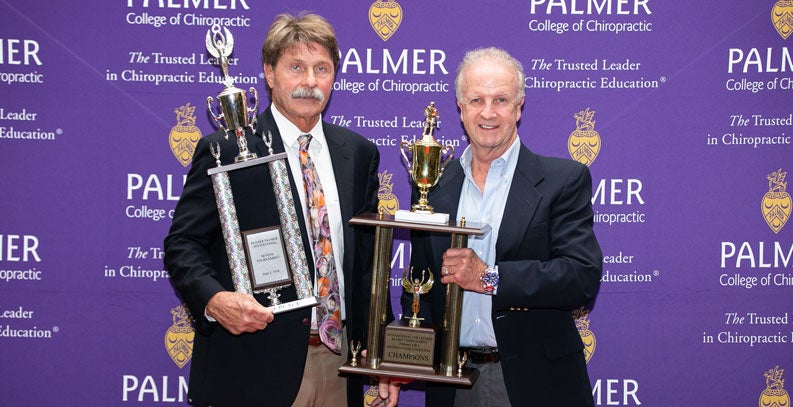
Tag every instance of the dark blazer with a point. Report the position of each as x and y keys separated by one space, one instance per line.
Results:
x=549 y=263
x=266 y=367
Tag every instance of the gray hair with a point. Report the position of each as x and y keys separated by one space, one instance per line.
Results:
x=492 y=54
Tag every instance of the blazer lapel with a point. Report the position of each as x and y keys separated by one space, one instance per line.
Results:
x=341 y=160
x=522 y=202
x=445 y=196
x=340 y=157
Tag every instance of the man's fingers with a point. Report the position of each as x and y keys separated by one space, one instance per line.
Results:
x=382 y=388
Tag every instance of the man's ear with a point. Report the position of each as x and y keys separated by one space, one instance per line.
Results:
x=269 y=75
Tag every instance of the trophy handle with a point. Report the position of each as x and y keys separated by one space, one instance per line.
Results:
x=253 y=111
x=217 y=117
x=445 y=151
x=403 y=147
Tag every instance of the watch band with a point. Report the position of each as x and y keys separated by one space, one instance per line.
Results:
x=489 y=279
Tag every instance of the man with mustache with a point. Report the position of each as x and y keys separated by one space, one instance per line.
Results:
x=244 y=355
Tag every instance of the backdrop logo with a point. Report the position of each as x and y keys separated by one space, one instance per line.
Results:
x=782 y=17
x=581 y=317
x=371 y=396
x=185 y=135
x=179 y=337
x=385 y=17
x=584 y=141
x=774 y=394
x=388 y=203
x=776 y=202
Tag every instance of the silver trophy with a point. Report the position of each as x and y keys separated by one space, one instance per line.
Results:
x=233 y=100
x=268 y=259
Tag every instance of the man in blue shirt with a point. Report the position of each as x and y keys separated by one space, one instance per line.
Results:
x=540 y=261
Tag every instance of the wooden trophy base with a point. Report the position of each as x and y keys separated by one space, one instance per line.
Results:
x=466 y=379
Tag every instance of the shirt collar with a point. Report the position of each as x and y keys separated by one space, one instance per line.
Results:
x=504 y=162
x=290 y=132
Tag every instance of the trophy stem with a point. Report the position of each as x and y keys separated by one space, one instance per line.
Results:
x=423 y=204
x=242 y=145
x=452 y=318
x=231 y=232
x=381 y=275
x=290 y=229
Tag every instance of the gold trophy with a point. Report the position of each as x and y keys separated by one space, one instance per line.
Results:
x=425 y=160
x=411 y=348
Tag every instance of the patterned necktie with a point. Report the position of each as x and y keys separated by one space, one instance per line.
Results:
x=328 y=310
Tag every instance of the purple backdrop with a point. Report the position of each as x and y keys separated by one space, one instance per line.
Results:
x=686 y=107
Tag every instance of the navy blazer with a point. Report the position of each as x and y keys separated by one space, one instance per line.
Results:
x=549 y=264
x=265 y=367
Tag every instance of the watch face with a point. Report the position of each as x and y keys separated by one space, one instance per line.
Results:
x=489 y=280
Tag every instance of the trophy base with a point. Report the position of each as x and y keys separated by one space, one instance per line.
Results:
x=466 y=379
x=421 y=217
x=407 y=345
x=293 y=305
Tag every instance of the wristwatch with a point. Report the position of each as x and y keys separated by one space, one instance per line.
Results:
x=489 y=279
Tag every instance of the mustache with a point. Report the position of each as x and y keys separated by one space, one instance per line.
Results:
x=302 y=93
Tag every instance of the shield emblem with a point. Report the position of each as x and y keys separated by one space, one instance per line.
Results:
x=584 y=146
x=388 y=202
x=183 y=140
x=782 y=17
x=371 y=397
x=774 y=398
x=179 y=343
x=179 y=337
x=581 y=317
x=385 y=17
x=584 y=142
x=776 y=209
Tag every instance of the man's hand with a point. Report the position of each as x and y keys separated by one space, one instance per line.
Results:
x=238 y=312
x=462 y=267
x=388 y=389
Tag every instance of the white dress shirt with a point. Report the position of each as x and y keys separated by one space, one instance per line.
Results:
x=320 y=155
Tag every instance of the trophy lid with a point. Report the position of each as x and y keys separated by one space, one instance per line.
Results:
x=430 y=123
x=219 y=44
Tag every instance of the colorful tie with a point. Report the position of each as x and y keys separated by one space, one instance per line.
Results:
x=328 y=310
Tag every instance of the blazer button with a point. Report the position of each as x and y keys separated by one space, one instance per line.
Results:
x=306 y=321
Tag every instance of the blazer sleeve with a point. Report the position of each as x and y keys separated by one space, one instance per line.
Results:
x=558 y=262
x=193 y=233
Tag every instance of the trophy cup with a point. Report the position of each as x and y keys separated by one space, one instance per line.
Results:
x=425 y=166
x=407 y=349
x=268 y=259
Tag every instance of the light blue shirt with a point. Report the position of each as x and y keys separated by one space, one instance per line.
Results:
x=476 y=327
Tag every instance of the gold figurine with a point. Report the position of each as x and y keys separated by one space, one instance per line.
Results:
x=354 y=349
x=417 y=287
x=462 y=357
